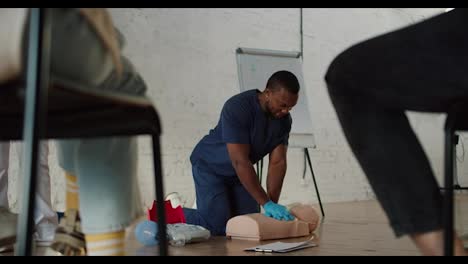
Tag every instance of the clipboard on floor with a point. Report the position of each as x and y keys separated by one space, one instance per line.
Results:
x=282 y=247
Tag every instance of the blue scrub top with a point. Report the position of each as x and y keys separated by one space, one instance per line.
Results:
x=242 y=121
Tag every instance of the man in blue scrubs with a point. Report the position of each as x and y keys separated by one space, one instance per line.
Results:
x=252 y=124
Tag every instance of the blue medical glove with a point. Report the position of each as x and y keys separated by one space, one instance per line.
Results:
x=277 y=211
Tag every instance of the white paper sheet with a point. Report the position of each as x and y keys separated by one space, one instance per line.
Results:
x=282 y=247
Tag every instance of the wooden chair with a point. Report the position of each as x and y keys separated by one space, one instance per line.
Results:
x=36 y=109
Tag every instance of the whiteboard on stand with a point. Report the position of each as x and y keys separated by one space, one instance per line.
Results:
x=255 y=66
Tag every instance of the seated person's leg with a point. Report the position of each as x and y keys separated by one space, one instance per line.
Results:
x=372 y=84
x=107 y=181
x=66 y=153
x=69 y=239
x=45 y=217
x=109 y=197
x=7 y=219
x=105 y=172
x=4 y=165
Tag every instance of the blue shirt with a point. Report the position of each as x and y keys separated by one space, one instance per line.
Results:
x=242 y=121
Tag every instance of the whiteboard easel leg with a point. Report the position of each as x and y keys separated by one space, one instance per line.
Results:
x=306 y=152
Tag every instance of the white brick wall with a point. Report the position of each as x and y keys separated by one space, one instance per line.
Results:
x=187 y=57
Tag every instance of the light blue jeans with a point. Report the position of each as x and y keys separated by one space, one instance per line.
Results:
x=108 y=187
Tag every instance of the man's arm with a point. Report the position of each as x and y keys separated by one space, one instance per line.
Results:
x=276 y=172
x=239 y=154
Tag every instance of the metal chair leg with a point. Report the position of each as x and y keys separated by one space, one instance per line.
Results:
x=34 y=120
x=448 y=194
x=159 y=196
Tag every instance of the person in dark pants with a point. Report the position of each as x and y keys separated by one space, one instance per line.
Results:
x=252 y=124
x=422 y=67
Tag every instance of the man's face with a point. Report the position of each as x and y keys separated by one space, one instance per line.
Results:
x=280 y=102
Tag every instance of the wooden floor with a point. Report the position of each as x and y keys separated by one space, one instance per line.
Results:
x=349 y=229
x=352 y=228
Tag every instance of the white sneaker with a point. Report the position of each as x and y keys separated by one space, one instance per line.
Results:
x=175 y=199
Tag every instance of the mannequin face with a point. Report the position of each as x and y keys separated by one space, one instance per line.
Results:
x=279 y=102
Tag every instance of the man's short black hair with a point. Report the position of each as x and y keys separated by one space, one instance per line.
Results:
x=284 y=79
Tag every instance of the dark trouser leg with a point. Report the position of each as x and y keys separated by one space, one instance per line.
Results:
x=396 y=166
x=422 y=68
x=213 y=202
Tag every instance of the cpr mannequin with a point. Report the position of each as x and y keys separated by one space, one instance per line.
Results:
x=260 y=227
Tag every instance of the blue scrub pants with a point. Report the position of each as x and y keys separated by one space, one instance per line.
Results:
x=219 y=198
